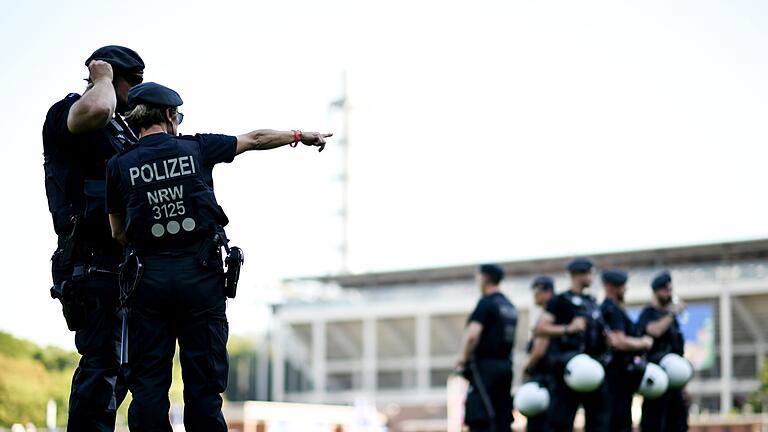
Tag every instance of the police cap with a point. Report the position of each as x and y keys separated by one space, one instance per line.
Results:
x=615 y=277
x=661 y=280
x=153 y=94
x=121 y=58
x=545 y=282
x=580 y=265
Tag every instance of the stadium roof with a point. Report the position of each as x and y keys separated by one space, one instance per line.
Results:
x=656 y=257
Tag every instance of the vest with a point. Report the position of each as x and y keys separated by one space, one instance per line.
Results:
x=169 y=205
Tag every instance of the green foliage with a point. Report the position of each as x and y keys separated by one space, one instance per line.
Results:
x=759 y=399
x=30 y=376
x=237 y=345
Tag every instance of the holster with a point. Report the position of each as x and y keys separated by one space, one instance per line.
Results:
x=73 y=302
x=234 y=260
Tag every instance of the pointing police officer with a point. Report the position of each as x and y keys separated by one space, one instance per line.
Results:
x=572 y=322
x=162 y=206
x=668 y=413
x=624 y=347
x=80 y=133
x=485 y=356
x=538 y=368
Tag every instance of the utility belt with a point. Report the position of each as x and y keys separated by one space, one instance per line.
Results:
x=76 y=261
x=208 y=253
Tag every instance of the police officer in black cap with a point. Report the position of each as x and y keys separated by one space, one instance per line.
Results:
x=80 y=134
x=572 y=322
x=620 y=377
x=485 y=356
x=669 y=413
x=162 y=206
x=538 y=367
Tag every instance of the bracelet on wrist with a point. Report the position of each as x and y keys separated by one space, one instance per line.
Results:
x=296 y=138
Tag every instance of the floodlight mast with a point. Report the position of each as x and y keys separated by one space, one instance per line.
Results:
x=342 y=104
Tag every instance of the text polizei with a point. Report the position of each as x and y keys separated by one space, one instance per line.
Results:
x=161 y=170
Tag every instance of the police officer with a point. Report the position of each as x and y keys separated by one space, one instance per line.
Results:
x=572 y=322
x=537 y=368
x=669 y=413
x=161 y=205
x=80 y=134
x=625 y=346
x=486 y=355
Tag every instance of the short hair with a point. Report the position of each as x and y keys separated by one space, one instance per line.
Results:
x=493 y=272
x=144 y=116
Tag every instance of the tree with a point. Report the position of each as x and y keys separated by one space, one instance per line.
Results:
x=759 y=399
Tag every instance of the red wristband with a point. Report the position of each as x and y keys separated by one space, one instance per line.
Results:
x=295 y=138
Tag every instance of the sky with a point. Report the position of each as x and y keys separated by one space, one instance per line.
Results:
x=479 y=131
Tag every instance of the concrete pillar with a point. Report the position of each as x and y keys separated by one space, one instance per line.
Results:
x=423 y=344
x=726 y=346
x=262 y=373
x=369 y=356
x=278 y=359
x=318 y=359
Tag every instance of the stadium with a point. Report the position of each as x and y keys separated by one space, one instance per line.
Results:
x=391 y=338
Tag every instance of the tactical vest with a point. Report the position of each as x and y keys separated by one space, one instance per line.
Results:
x=592 y=340
x=169 y=205
x=672 y=341
x=75 y=181
x=508 y=316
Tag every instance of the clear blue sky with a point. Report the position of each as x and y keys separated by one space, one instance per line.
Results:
x=480 y=131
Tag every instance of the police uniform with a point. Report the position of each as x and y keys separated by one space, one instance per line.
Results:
x=564 y=401
x=75 y=166
x=669 y=413
x=540 y=372
x=620 y=382
x=163 y=186
x=489 y=399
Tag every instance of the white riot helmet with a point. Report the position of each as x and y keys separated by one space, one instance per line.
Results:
x=678 y=369
x=583 y=374
x=654 y=382
x=531 y=399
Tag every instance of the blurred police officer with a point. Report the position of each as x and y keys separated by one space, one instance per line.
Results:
x=538 y=368
x=80 y=134
x=486 y=355
x=572 y=322
x=162 y=206
x=625 y=346
x=669 y=413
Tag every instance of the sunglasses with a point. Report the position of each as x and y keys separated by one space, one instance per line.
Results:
x=179 y=118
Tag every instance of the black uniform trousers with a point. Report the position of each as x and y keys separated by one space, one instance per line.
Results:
x=98 y=386
x=178 y=300
x=621 y=389
x=495 y=377
x=540 y=423
x=669 y=413
x=564 y=403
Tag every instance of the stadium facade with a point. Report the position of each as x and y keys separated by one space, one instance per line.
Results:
x=392 y=337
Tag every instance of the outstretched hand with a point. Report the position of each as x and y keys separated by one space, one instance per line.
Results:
x=314 y=139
